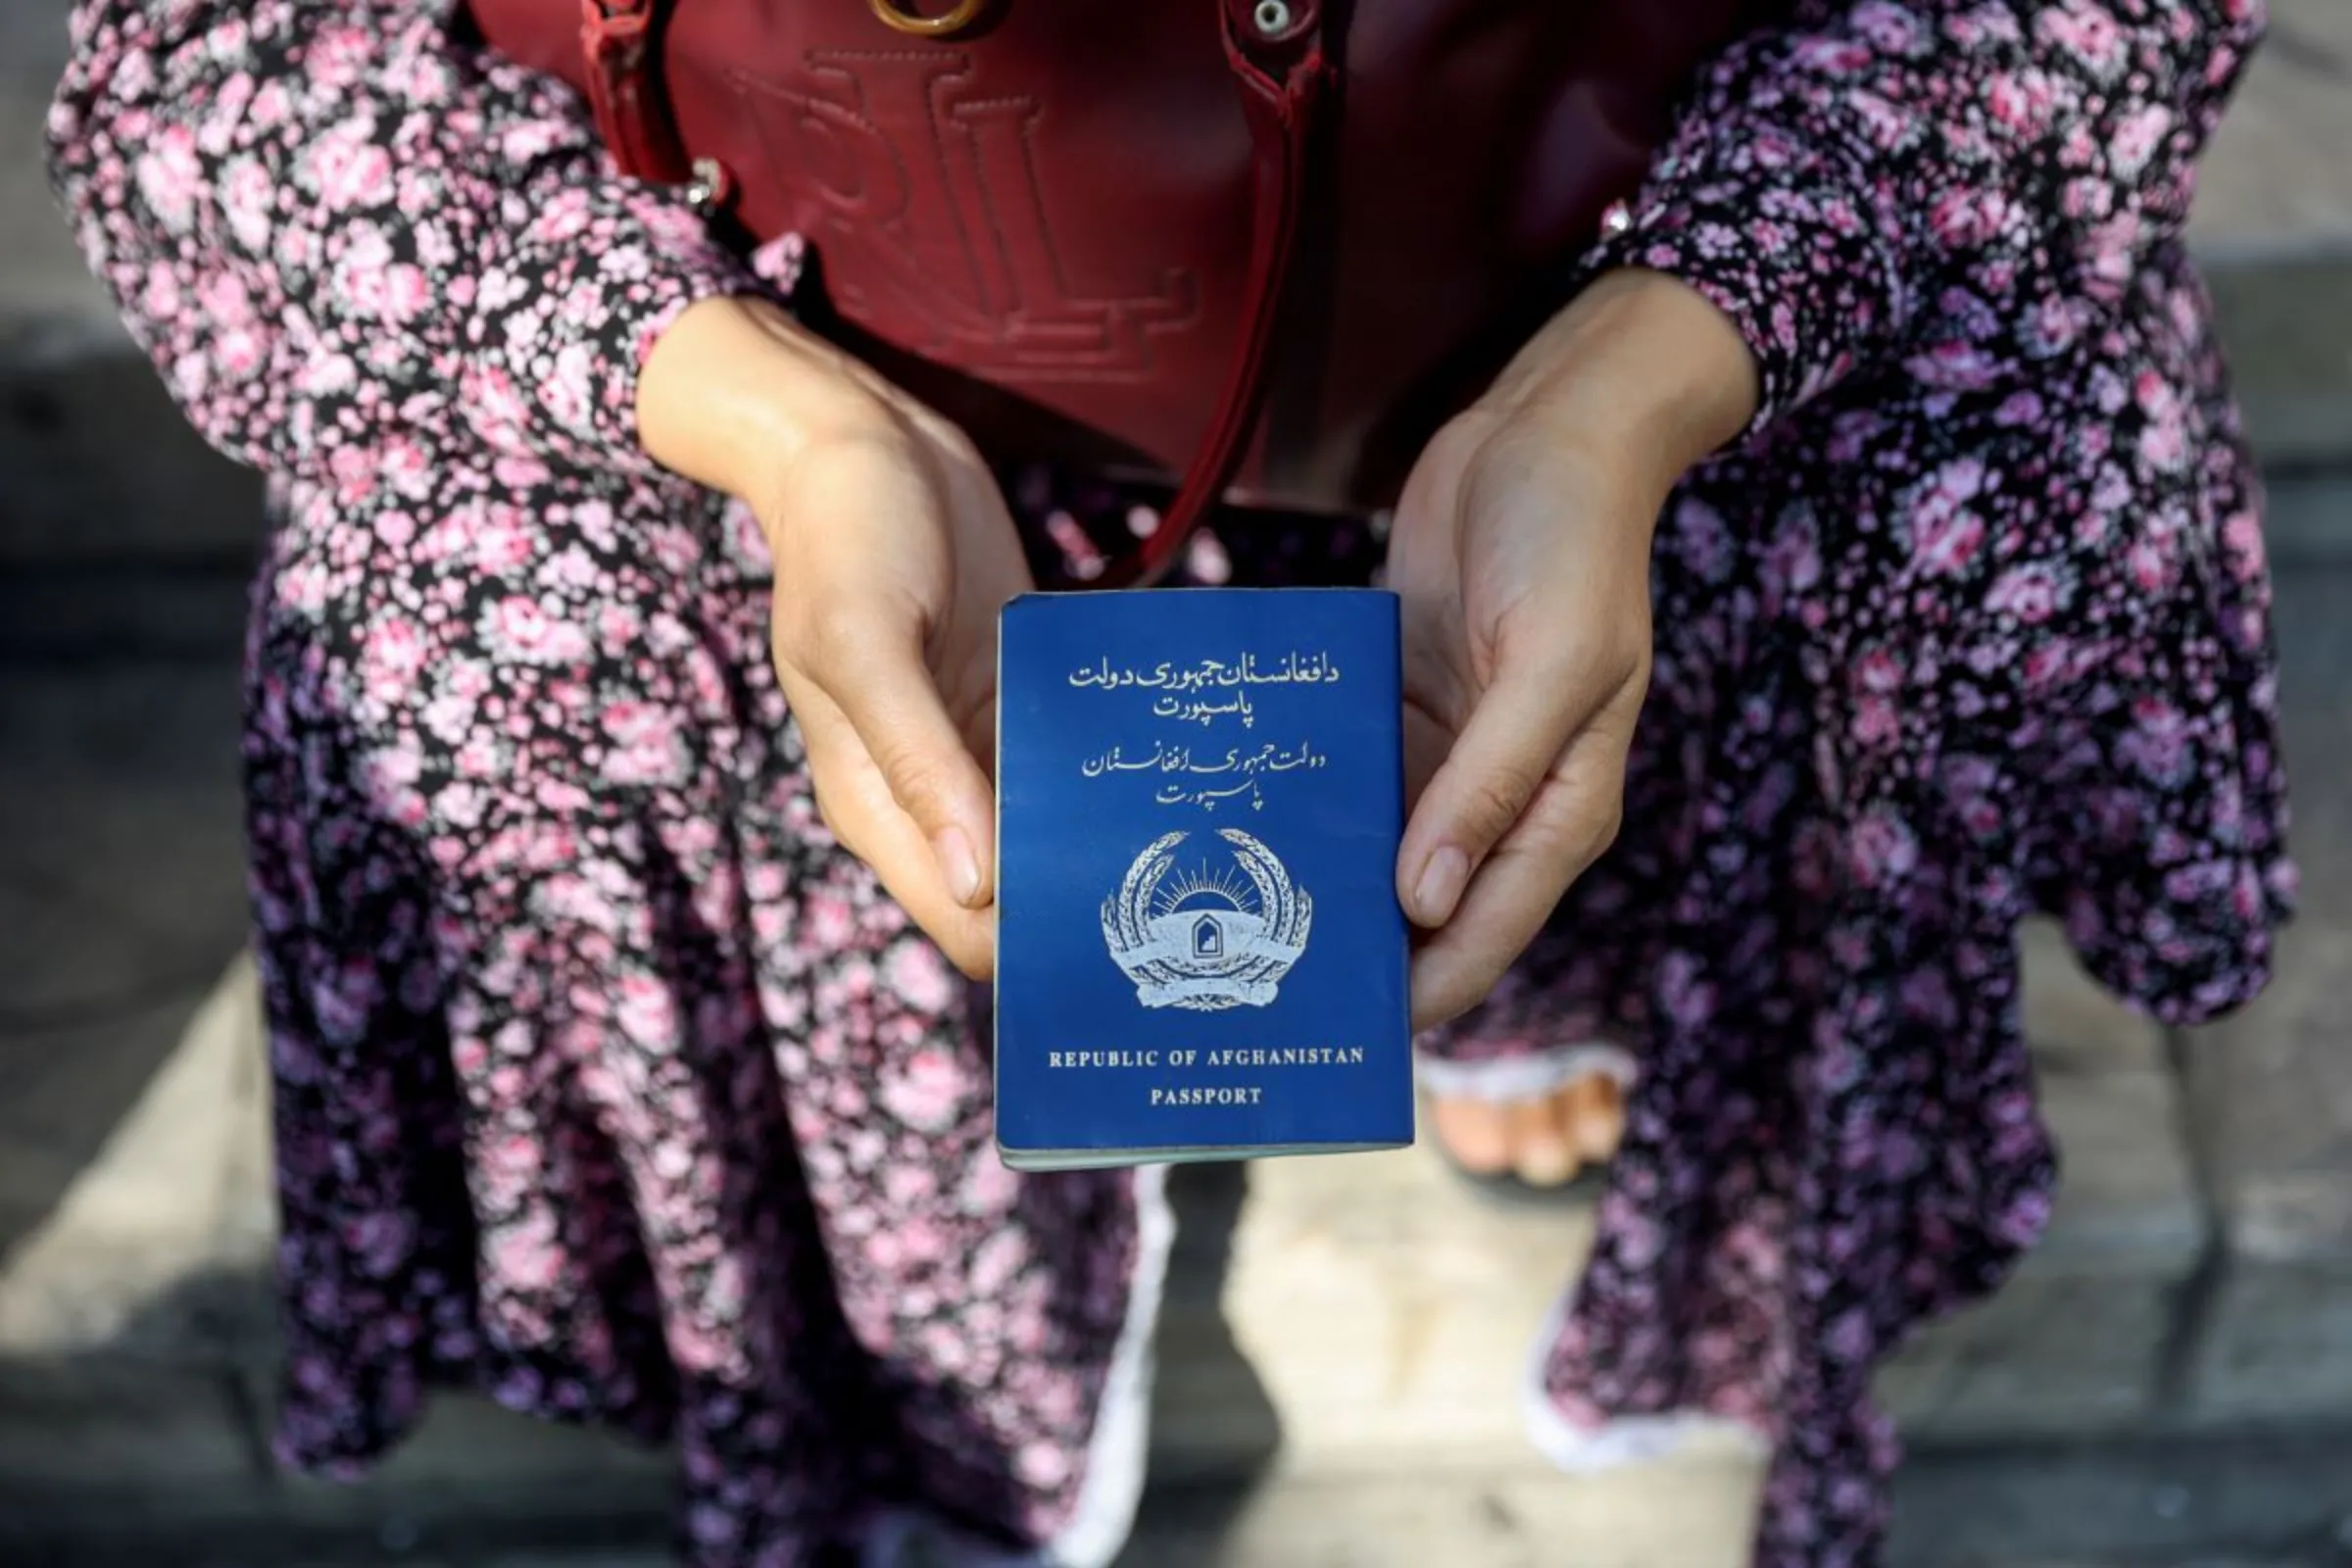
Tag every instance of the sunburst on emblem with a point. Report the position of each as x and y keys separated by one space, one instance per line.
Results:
x=1197 y=887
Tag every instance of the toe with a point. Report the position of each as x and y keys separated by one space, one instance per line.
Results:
x=1475 y=1132
x=1540 y=1153
x=1594 y=1110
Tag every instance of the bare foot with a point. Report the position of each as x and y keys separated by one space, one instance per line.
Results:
x=1543 y=1140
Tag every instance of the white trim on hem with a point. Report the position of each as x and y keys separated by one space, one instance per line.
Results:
x=1117 y=1454
x=1621 y=1440
x=1524 y=1077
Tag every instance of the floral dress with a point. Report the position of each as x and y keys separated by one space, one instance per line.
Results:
x=608 y=1082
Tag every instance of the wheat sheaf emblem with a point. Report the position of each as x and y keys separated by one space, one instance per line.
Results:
x=1207 y=936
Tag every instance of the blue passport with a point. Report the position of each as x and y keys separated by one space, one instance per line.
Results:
x=1199 y=950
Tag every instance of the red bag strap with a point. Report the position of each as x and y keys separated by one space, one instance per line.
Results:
x=618 y=38
x=1275 y=48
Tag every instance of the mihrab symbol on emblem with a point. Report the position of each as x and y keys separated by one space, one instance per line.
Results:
x=1211 y=938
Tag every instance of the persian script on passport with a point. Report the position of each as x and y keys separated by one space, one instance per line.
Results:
x=1199 y=950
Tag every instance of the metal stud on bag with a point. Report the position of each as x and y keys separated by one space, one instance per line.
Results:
x=1272 y=17
x=710 y=187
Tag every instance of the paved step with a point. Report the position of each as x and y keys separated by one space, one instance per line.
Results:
x=2253 y=1503
x=2274 y=1084
x=2275 y=182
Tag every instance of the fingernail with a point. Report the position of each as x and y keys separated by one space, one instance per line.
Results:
x=1440 y=885
x=959 y=864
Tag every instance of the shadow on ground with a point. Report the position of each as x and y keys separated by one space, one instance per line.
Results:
x=124 y=544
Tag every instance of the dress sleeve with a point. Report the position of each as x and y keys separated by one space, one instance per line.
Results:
x=1865 y=183
x=326 y=218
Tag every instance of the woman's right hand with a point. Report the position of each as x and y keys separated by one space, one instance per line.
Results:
x=893 y=553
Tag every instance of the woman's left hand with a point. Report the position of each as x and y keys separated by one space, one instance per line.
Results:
x=1521 y=553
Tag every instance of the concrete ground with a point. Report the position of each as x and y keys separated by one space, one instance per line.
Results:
x=2169 y=1384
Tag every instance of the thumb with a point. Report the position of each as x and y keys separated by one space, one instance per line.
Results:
x=1518 y=728
x=886 y=693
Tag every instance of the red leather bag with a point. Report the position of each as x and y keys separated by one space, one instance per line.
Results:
x=1261 y=248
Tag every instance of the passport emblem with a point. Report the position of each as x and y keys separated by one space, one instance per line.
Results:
x=1211 y=936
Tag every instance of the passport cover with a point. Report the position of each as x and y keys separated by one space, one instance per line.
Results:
x=1199 y=950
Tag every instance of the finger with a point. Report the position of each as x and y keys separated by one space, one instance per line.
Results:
x=859 y=809
x=1573 y=817
x=872 y=670
x=1516 y=732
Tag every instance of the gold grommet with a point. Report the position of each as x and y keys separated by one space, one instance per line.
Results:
x=710 y=187
x=953 y=21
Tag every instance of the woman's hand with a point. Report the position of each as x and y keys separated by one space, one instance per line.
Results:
x=893 y=554
x=1521 y=552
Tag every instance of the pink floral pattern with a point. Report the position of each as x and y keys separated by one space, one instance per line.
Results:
x=606 y=1081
